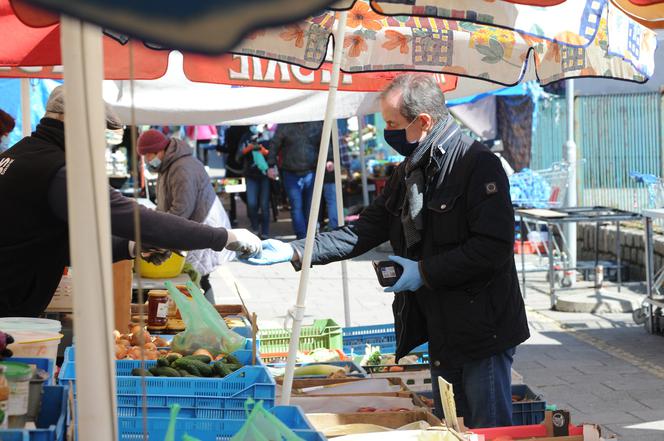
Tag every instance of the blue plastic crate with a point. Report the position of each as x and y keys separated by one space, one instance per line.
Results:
x=354 y=369
x=356 y=338
x=190 y=407
x=530 y=411
x=131 y=428
x=52 y=419
x=524 y=413
x=46 y=364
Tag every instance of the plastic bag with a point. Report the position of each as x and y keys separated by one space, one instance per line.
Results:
x=206 y=329
x=261 y=425
x=170 y=434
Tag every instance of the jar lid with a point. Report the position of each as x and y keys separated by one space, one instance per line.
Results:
x=17 y=371
x=157 y=293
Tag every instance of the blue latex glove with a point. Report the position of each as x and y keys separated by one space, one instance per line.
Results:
x=410 y=280
x=274 y=251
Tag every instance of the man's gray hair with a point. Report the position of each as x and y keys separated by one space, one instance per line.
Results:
x=420 y=93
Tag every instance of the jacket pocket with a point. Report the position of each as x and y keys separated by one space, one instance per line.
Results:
x=469 y=317
x=445 y=214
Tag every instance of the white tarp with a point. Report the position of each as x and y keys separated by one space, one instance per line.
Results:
x=173 y=99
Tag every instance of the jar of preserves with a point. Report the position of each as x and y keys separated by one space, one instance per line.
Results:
x=157 y=310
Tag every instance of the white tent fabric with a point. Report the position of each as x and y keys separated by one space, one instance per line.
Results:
x=174 y=99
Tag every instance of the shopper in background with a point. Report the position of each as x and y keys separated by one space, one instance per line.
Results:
x=298 y=145
x=184 y=190
x=253 y=151
x=7 y=124
x=206 y=139
x=234 y=168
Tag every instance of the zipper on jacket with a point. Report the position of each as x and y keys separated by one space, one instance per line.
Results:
x=401 y=327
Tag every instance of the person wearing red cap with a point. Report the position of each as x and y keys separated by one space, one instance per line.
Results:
x=184 y=189
x=7 y=124
x=34 y=238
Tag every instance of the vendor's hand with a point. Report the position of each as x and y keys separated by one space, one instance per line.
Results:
x=156 y=256
x=274 y=251
x=272 y=173
x=244 y=243
x=410 y=280
x=5 y=340
x=329 y=166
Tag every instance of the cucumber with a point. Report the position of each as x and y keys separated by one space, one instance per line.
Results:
x=202 y=358
x=163 y=362
x=138 y=372
x=165 y=371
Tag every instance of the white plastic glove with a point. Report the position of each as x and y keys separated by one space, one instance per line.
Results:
x=244 y=243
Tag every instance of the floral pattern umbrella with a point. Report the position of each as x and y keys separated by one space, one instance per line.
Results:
x=621 y=49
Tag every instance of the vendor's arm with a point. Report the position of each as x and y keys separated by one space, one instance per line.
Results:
x=490 y=219
x=183 y=191
x=158 y=229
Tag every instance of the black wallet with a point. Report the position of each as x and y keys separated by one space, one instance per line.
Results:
x=388 y=272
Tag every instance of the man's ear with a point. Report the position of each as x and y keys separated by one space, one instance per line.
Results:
x=427 y=121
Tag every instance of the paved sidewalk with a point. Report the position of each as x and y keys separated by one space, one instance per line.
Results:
x=603 y=368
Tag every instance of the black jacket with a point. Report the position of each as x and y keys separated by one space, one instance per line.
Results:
x=470 y=307
x=34 y=240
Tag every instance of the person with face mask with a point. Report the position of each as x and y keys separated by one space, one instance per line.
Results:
x=184 y=189
x=34 y=238
x=7 y=124
x=447 y=213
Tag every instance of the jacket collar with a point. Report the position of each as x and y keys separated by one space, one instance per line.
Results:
x=51 y=130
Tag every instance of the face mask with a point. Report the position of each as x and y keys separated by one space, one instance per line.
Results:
x=154 y=164
x=114 y=137
x=4 y=142
x=396 y=138
x=254 y=130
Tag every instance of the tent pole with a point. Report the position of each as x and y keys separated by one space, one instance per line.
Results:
x=89 y=218
x=26 y=108
x=570 y=198
x=363 y=161
x=340 y=215
x=315 y=204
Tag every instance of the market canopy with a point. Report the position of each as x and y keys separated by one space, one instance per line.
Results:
x=214 y=27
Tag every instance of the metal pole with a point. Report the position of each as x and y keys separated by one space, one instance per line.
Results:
x=552 y=288
x=336 y=150
x=363 y=161
x=571 y=197
x=26 y=112
x=89 y=217
x=650 y=273
x=313 y=215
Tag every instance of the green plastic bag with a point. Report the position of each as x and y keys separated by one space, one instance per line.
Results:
x=170 y=434
x=261 y=425
x=206 y=329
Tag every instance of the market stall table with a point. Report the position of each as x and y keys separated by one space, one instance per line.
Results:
x=651 y=310
x=554 y=219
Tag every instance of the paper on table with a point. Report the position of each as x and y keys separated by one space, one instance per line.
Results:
x=345 y=404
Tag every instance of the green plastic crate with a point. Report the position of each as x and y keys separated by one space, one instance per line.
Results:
x=324 y=333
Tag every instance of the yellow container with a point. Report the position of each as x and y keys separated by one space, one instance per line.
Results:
x=167 y=270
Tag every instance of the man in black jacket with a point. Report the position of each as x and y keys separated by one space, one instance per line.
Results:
x=34 y=238
x=447 y=213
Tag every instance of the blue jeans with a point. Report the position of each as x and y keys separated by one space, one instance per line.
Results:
x=299 y=189
x=482 y=390
x=330 y=195
x=258 y=199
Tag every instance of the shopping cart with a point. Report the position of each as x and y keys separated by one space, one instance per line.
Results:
x=540 y=188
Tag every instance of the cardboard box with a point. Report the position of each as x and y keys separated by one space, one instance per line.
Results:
x=391 y=420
